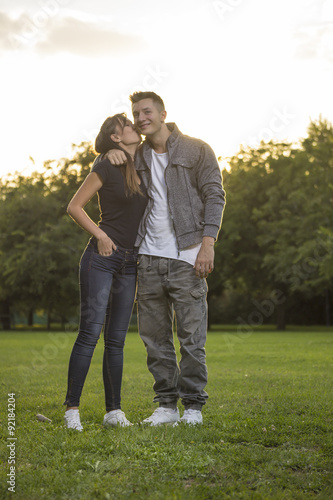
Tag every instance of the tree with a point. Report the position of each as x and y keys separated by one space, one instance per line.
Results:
x=276 y=237
x=41 y=245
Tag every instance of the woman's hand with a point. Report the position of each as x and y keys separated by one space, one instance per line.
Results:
x=105 y=245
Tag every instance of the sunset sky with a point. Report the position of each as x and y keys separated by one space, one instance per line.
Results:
x=230 y=72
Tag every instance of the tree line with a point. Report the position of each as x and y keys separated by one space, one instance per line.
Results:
x=273 y=260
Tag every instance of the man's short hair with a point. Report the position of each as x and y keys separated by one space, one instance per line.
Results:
x=157 y=100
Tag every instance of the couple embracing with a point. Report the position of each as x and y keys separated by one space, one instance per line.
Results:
x=161 y=208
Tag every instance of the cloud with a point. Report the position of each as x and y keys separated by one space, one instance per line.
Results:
x=314 y=34
x=315 y=43
x=78 y=37
x=46 y=34
x=8 y=27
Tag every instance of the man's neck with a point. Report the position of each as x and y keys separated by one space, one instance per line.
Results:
x=159 y=139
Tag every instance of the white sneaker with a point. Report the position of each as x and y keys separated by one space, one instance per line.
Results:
x=116 y=417
x=190 y=417
x=72 y=420
x=162 y=416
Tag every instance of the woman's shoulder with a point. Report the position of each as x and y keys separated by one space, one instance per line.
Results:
x=105 y=166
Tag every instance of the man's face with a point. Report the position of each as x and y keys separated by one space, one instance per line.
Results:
x=147 y=117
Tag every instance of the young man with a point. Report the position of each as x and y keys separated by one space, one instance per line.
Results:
x=176 y=252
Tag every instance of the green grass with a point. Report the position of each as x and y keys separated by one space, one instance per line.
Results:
x=267 y=429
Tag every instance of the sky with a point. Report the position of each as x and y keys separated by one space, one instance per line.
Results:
x=230 y=72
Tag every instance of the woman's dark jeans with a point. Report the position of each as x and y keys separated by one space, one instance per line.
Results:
x=107 y=291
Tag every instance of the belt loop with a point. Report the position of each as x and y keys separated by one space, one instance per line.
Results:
x=150 y=263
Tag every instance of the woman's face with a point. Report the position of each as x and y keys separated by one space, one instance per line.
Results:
x=127 y=134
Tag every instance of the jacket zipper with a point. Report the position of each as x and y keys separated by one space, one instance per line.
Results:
x=171 y=216
x=148 y=191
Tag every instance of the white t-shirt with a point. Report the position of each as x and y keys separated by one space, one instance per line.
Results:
x=160 y=239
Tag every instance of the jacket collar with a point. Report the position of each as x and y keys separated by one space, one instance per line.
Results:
x=145 y=149
x=171 y=141
x=174 y=137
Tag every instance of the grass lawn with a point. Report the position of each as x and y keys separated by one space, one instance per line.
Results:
x=267 y=429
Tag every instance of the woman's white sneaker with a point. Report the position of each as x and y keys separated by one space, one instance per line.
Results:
x=72 y=420
x=116 y=417
x=162 y=416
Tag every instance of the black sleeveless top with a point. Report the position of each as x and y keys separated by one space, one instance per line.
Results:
x=120 y=214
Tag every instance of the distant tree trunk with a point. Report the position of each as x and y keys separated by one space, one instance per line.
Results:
x=5 y=314
x=31 y=318
x=281 y=316
x=49 y=320
x=327 y=307
x=63 y=323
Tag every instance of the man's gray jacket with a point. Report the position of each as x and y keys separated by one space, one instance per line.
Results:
x=194 y=188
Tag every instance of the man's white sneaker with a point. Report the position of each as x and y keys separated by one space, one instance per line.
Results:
x=72 y=420
x=190 y=417
x=116 y=417
x=162 y=416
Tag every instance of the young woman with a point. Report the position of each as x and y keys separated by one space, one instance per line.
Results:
x=107 y=268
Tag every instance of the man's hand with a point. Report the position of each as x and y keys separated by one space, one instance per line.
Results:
x=116 y=157
x=204 y=263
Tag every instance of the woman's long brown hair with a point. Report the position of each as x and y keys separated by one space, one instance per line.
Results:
x=104 y=142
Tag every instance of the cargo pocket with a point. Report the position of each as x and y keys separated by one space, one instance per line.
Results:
x=198 y=290
x=197 y=314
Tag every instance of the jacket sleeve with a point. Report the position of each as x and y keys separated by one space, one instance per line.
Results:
x=209 y=180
